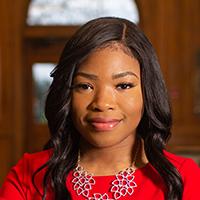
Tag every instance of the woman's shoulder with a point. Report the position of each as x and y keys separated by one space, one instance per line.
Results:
x=18 y=182
x=190 y=174
x=39 y=156
x=35 y=160
x=183 y=164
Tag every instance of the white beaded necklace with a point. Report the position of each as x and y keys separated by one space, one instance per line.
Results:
x=122 y=185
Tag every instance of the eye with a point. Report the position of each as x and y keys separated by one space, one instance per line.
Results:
x=124 y=86
x=83 y=86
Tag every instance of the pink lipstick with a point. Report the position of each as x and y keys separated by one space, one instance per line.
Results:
x=104 y=124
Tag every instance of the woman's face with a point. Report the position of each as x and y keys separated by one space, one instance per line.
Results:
x=107 y=103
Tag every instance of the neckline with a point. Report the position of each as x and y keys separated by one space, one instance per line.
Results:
x=139 y=169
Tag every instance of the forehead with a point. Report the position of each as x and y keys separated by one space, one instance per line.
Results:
x=110 y=60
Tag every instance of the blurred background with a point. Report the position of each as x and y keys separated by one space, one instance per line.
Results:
x=33 y=34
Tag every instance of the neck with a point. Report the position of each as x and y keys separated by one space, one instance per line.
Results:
x=109 y=160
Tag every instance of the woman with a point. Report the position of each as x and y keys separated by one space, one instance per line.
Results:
x=109 y=117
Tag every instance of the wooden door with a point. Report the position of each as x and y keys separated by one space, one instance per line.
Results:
x=41 y=56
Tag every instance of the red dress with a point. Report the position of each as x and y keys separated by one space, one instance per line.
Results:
x=18 y=184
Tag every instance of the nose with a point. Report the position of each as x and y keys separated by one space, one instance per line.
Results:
x=103 y=100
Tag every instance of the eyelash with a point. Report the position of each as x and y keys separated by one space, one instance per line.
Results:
x=82 y=86
x=128 y=86
x=86 y=86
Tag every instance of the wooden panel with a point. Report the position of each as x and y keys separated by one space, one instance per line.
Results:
x=40 y=133
x=49 y=31
x=1 y=67
x=1 y=111
x=188 y=129
x=37 y=50
x=5 y=93
x=11 y=101
x=174 y=31
x=191 y=48
x=162 y=28
x=5 y=157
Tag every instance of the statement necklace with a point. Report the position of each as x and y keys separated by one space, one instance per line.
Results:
x=122 y=185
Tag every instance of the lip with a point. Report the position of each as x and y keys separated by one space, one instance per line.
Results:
x=103 y=124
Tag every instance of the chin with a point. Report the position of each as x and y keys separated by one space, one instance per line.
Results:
x=103 y=142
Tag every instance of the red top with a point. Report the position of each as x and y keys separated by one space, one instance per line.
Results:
x=18 y=184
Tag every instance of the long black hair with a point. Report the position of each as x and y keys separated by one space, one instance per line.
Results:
x=156 y=121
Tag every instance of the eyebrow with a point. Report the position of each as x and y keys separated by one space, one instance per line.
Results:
x=123 y=74
x=86 y=75
x=114 y=76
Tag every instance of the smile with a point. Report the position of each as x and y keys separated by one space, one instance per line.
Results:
x=100 y=124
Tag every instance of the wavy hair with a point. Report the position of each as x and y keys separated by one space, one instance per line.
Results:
x=156 y=121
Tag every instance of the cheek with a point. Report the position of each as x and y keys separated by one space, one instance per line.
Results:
x=79 y=106
x=133 y=105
